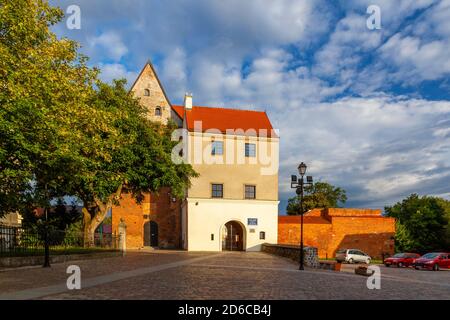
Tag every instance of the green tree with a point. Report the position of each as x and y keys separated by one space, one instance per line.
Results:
x=319 y=195
x=44 y=87
x=446 y=205
x=139 y=158
x=58 y=216
x=422 y=223
x=63 y=132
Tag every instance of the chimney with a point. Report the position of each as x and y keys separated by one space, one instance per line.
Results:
x=188 y=101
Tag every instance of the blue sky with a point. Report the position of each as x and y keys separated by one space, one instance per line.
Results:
x=367 y=110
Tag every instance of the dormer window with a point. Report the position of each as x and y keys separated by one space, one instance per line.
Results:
x=146 y=92
x=158 y=112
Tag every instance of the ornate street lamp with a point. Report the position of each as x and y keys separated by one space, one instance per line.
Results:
x=299 y=184
x=302 y=169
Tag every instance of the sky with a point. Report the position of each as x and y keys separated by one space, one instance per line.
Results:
x=367 y=110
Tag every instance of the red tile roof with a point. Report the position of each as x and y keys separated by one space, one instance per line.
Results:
x=179 y=110
x=227 y=119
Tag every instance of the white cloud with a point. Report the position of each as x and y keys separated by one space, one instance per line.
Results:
x=380 y=149
x=111 y=43
x=116 y=71
x=416 y=59
x=174 y=72
x=393 y=13
x=341 y=57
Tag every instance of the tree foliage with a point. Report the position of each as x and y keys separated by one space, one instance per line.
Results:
x=139 y=157
x=64 y=132
x=319 y=195
x=422 y=223
x=59 y=217
x=44 y=117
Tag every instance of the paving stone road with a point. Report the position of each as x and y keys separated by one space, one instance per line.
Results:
x=243 y=275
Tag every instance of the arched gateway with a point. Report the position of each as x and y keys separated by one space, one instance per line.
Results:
x=233 y=234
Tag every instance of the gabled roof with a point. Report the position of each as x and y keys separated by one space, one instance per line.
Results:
x=152 y=68
x=179 y=110
x=253 y=123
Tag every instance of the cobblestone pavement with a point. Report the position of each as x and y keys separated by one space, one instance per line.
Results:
x=246 y=275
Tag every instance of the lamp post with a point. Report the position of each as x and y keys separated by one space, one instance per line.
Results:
x=299 y=184
x=46 y=235
x=46 y=243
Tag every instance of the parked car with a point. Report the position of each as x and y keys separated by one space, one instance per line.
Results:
x=405 y=259
x=433 y=261
x=352 y=256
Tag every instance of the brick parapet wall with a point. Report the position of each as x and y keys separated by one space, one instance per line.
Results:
x=340 y=228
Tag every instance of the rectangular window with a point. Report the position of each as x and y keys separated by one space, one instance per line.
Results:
x=217 y=148
x=262 y=235
x=217 y=190
x=250 y=150
x=250 y=192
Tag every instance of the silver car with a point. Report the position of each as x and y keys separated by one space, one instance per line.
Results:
x=352 y=256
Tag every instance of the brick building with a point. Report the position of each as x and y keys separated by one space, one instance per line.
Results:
x=233 y=204
x=333 y=229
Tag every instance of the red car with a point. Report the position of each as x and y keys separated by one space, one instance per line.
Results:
x=405 y=259
x=433 y=261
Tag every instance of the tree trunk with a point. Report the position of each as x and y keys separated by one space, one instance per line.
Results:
x=91 y=223
x=88 y=236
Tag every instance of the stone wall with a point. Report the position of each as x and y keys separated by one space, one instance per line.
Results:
x=156 y=98
x=333 y=229
x=311 y=258
x=16 y=262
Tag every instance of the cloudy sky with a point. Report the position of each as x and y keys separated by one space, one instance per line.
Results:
x=367 y=110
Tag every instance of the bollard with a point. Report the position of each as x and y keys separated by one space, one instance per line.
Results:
x=123 y=237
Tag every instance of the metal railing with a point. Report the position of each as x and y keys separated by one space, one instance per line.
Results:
x=19 y=241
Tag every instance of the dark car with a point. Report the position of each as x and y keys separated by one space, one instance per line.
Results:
x=404 y=259
x=433 y=261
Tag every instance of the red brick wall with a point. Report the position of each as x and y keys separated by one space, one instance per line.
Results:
x=133 y=215
x=372 y=235
x=155 y=207
x=340 y=228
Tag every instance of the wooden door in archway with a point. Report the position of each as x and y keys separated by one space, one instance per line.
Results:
x=232 y=237
x=151 y=234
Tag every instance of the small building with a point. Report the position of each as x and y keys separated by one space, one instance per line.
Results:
x=11 y=220
x=335 y=228
x=233 y=204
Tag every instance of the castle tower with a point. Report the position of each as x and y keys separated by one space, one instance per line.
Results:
x=156 y=220
x=149 y=90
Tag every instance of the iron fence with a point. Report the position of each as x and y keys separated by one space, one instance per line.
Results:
x=19 y=241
